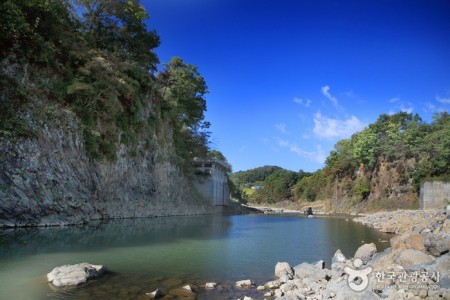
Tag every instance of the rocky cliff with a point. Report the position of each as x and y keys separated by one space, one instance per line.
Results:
x=49 y=179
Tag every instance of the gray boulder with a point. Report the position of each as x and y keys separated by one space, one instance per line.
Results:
x=338 y=257
x=244 y=283
x=435 y=244
x=284 y=267
x=411 y=257
x=285 y=277
x=74 y=274
x=306 y=270
x=365 y=252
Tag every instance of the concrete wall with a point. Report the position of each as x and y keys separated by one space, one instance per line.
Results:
x=434 y=195
x=212 y=184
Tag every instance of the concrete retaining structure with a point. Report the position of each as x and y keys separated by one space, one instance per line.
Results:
x=434 y=195
x=212 y=180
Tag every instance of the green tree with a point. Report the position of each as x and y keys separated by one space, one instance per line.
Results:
x=184 y=103
x=217 y=154
x=278 y=186
x=364 y=144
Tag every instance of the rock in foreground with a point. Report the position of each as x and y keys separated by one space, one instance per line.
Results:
x=74 y=274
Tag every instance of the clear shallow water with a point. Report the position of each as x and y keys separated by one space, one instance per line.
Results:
x=145 y=254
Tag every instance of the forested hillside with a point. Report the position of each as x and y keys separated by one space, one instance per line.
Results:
x=266 y=184
x=96 y=58
x=89 y=128
x=379 y=167
x=383 y=165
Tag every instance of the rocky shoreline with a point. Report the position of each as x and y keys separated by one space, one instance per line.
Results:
x=416 y=266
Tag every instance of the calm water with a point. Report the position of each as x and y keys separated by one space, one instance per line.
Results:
x=170 y=252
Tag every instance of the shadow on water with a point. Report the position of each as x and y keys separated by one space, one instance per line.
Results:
x=110 y=234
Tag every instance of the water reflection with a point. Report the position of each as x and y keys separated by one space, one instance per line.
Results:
x=114 y=233
x=164 y=252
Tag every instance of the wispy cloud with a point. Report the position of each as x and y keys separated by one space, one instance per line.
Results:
x=400 y=105
x=407 y=109
x=282 y=128
x=304 y=102
x=443 y=100
x=326 y=93
x=317 y=156
x=430 y=107
x=325 y=127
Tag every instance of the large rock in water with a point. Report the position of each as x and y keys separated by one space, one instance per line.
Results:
x=74 y=274
x=284 y=267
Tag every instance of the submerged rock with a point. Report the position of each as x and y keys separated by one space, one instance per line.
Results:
x=211 y=285
x=74 y=274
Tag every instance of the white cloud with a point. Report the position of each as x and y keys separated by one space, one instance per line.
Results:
x=304 y=102
x=405 y=109
x=443 y=100
x=283 y=143
x=316 y=156
x=334 y=128
x=281 y=128
x=400 y=105
x=429 y=107
x=326 y=93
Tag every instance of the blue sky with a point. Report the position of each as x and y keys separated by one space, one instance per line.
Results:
x=288 y=79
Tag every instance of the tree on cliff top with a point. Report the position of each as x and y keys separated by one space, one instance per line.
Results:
x=184 y=103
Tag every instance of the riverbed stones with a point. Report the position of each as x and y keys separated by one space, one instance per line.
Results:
x=365 y=252
x=278 y=293
x=284 y=277
x=306 y=270
x=244 y=283
x=274 y=284
x=284 y=268
x=210 y=285
x=269 y=294
x=155 y=294
x=74 y=274
x=187 y=287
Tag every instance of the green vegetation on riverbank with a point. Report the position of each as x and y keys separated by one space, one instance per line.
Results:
x=380 y=167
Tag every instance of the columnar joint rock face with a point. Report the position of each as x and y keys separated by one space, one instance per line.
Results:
x=212 y=180
x=434 y=195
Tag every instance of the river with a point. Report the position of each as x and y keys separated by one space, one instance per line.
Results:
x=166 y=253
